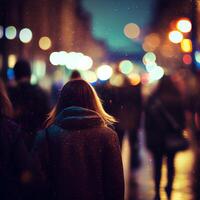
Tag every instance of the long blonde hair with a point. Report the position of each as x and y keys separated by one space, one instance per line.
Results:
x=82 y=94
x=5 y=103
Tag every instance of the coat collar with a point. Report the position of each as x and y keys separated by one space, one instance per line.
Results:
x=78 y=118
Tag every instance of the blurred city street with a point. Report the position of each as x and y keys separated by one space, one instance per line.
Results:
x=139 y=183
x=141 y=57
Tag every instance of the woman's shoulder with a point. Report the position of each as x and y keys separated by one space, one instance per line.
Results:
x=108 y=134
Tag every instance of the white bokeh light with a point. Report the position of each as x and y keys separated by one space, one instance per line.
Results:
x=156 y=74
x=104 y=72
x=54 y=58
x=175 y=37
x=25 y=35
x=90 y=76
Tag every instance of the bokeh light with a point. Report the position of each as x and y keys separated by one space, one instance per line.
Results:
x=197 y=56
x=89 y=76
x=186 y=45
x=184 y=25
x=39 y=68
x=145 y=78
x=10 y=74
x=132 y=30
x=72 y=60
x=175 y=37
x=1 y=32
x=187 y=59
x=79 y=61
x=45 y=43
x=10 y=32
x=104 y=72
x=62 y=57
x=150 y=66
x=126 y=66
x=12 y=59
x=85 y=63
x=149 y=57
x=54 y=58
x=134 y=78
x=117 y=80
x=34 y=79
x=151 y=42
x=156 y=74
x=25 y=35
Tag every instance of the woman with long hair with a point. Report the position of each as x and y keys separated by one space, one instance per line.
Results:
x=14 y=160
x=164 y=119
x=77 y=155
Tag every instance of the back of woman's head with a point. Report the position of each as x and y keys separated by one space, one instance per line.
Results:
x=82 y=94
x=5 y=104
x=77 y=93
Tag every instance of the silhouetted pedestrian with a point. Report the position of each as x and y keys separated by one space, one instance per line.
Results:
x=125 y=104
x=14 y=159
x=163 y=104
x=128 y=114
x=30 y=102
x=78 y=155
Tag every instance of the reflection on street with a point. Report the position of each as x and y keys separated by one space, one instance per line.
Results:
x=140 y=186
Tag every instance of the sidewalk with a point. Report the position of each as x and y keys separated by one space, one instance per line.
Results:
x=139 y=184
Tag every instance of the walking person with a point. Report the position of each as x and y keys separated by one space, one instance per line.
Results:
x=14 y=159
x=164 y=109
x=77 y=155
x=30 y=102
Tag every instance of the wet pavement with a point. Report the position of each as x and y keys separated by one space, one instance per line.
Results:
x=140 y=186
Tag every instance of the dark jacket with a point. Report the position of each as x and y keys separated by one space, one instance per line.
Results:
x=124 y=103
x=158 y=126
x=80 y=157
x=14 y=161
x=31 y=108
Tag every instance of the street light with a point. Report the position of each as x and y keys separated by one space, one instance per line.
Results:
x=175 y=36
x=25 y=35
x=186 y=45
x=132 y=31
x=45 y=43
x=10 y=32
x=104 y=72
x=184 y=25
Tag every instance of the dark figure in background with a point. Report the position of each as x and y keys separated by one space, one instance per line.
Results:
x=78 y=155
x=128 y=101
x=75 y=75
x=125 y=104
x=30 y=102
x=158 y=128
x=14 y=161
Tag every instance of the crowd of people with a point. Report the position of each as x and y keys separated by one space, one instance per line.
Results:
x=72 y=150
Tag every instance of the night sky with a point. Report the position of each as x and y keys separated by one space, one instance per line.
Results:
x=110 y=17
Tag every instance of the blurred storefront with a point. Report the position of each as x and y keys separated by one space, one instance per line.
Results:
x=35 y=29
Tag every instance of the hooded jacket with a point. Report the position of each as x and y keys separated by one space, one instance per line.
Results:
x=79 y=157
